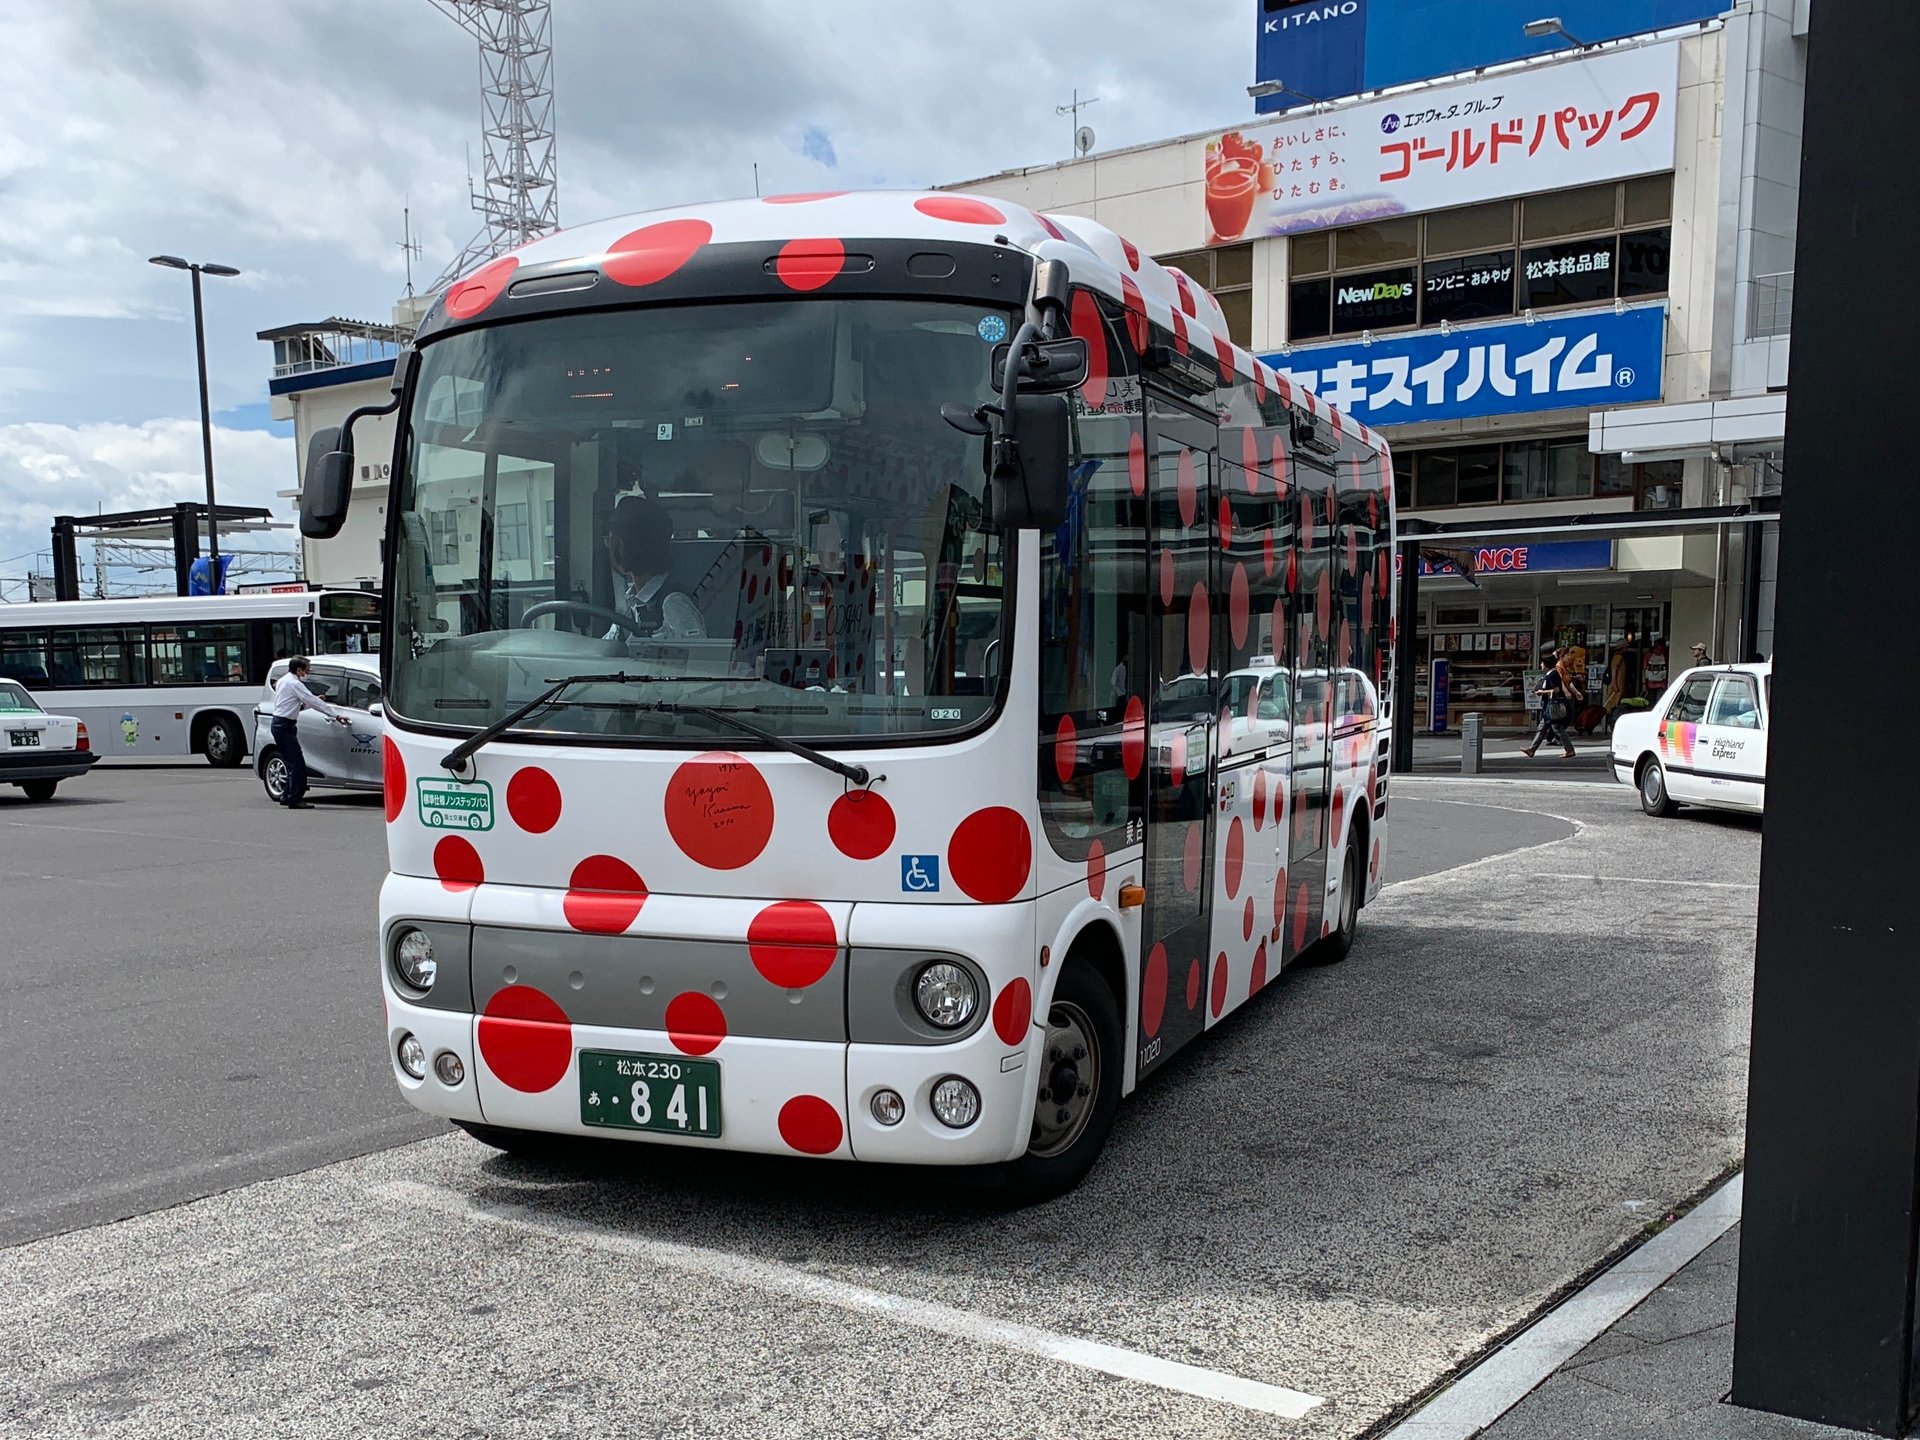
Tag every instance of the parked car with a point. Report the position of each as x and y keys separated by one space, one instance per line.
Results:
x=40 y=749
x=1703 y=742
x=348 y=756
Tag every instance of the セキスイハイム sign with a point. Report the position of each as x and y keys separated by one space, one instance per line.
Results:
x=1592 y=360
x=1549 y=127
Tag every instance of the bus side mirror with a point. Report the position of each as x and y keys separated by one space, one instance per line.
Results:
x=1030 y=485
x=326 y=489
x=1047 y=367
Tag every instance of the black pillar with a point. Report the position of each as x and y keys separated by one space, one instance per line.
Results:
x=66 y=559
x=1406 y=661
x=1825 y=1327
x=186 y=545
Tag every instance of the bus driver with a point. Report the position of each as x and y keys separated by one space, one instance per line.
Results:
x=640 y=542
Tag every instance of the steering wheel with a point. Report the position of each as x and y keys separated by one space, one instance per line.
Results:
x=597 y=612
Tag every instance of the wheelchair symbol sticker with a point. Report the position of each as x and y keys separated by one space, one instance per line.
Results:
x=920 y=872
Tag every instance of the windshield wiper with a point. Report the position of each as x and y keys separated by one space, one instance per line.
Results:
x=857 y=774
x=464 y=751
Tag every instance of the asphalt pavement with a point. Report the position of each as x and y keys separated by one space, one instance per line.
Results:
x=1380 y=1167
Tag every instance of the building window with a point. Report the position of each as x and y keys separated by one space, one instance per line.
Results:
x=1522 y=472
x=443 y=530
x=1227 y=275
x=511 y=540
x=1482 y=262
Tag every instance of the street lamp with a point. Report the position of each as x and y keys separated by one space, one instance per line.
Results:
x=1261 y=89
x=174 y=262
x=1541 y=29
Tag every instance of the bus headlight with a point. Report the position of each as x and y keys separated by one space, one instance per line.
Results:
x=413 y=959
x=956 y=1104
x=946 y=995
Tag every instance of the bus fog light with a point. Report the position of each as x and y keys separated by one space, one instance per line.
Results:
x=888 y=1108
x=956 y=1104
x=448 y=1067
x=945 y=995
x=413 y=959
x=413 y=1055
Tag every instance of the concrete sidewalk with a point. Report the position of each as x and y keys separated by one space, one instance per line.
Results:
x=1501 y=757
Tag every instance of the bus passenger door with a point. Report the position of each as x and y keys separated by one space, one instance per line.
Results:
x=1183 y=711
x=1315 y=677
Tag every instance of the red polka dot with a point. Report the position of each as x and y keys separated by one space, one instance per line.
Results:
x=1193 y=983
x=1133 y=737
x=1136 y=307
x=457 y=863
x=1085 y=319
x=1266 y=552
x=1249 y=459
x=719 y=810
x=1306 y=522
x=1181 y=284
x=793 y=943
x=860 y=824
x=1065 y=749
x=1131 y=251
x=806 y=198
x=1259 y=978
x=1223 y=352
x=1199 y=629
x=653 y=252
x=1046 y=223
x=393 y=778
x=991 y=854
x=809 y=264
x=526 y=1039
x=1166 y=579
x=1246 y=920
x=810 y=1125
x=1189 y=490
x=1137 y=465
x=1323 y=602
x=1300 y=918
x=1219 y=983
x=1177 y=759
x=1239 y=606
x=1190 y=858
x=1279 y=902
x=1259 y=382
x=959 y=208
x=1236 y=856
x=467 y=298
x=695 y=1023
x=1097 y=870
x=1353 y=553
x=1279 y=466
x=1179 y=332
x=533 y=800
x=1226 y=523
x=604 y=895
x=1339 y=813
x=1259 y=800
x=1153 y=991
x=1013 y=1011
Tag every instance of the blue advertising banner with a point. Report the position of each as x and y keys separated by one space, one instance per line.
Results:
x=1329 y=49
x=1591 y=360
x=1439 y=697
x=1553 y=556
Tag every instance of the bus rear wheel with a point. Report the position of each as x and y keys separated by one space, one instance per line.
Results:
x=222 y=744
x=1079 y=1091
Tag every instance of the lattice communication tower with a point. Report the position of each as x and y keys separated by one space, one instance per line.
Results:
x=519 y=198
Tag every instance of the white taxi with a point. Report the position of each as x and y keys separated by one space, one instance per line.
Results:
x=38 y=750
x=1704 y=742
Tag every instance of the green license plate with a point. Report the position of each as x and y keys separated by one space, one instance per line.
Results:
x=667 y=1094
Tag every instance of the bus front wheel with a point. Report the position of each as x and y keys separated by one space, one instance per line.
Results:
x=1078 y=1094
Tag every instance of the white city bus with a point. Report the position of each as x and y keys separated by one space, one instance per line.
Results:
x=933 y=837
x=172 y=675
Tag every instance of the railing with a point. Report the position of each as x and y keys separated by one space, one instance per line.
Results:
x=328 y=348
x=1770 y=309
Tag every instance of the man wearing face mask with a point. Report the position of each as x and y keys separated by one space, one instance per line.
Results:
x=640 y=544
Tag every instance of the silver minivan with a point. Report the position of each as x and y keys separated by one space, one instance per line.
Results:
x=344 y=756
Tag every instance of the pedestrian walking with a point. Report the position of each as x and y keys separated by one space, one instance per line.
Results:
x=1700 y=656
x=1559 y=691
x=1623 y=676
x=290 y=697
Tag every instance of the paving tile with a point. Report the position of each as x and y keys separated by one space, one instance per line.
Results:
x=1672 y=1378
x=1605 y=1347
x=1694 y=1300
x=1566 y=1407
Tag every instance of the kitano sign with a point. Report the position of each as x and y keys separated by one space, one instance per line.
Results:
x=1547 y=128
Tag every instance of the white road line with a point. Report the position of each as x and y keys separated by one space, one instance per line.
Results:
x=923 y=1314
x=1644 y=880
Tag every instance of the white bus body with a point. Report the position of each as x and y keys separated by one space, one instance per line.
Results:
x=628 y=916
x=162 y=676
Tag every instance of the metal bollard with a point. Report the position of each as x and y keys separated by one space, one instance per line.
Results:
x=1472 y=726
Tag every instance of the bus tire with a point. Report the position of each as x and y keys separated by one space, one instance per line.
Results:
x=1652 y=784
x=1337 y=943
x=521 y=1144
x=222 y=743
x=39 y=789
x=1085 y=1032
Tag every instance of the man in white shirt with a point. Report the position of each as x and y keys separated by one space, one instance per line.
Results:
x=640 y=542
x=290 y=697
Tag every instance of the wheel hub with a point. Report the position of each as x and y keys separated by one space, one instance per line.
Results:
x=1065 y=1101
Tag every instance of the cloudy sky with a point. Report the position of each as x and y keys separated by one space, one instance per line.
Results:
x=285 y=138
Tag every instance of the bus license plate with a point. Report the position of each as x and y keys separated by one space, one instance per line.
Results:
x=23 y=737
x=665 y=1094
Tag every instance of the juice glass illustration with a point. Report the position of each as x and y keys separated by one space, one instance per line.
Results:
x=1231 y=187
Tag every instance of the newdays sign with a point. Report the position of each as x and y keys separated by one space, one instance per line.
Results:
x=1547 y=127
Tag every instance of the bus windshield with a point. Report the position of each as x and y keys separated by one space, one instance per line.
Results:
x=753 y=505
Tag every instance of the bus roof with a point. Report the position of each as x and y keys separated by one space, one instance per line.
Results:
x=806 y=236
x=148 y=609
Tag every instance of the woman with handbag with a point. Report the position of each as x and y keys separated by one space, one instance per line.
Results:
x=1559 y=691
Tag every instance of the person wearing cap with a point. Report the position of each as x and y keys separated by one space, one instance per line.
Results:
x=1700 y=656
x=640 y=544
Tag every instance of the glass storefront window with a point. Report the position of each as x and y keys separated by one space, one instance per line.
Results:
x=1576 y=272
x=1479 y=475
x=1308 y=254
x=1645 y=258
x=1310 y=305
x=1471 y=287
x=1647 y=199
x=1569 y=212
x=1375 y=300
x=1477 y=227
x=1377 y=244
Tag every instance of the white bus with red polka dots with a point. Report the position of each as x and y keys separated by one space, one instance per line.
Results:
x=805 y=736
